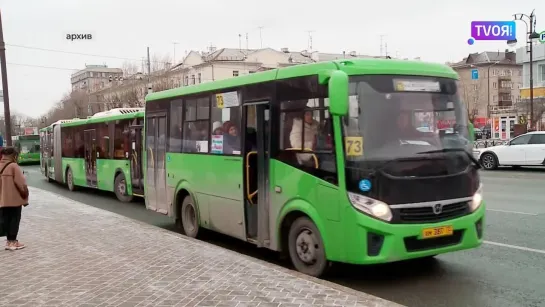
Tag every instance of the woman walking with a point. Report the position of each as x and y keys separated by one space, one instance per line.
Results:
x=13 y=196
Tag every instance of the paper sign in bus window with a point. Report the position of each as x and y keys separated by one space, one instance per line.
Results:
x=416 y=86
x=227 y=100
x=353 y=109
x=217 y=144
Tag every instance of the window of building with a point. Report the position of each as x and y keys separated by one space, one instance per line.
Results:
x=306 y=135
x=541 y=72
x=186 y=80
x=235 y=73
x=91 y=74
x=199 y=78
x=225 y=130
x=494 y=85
x=502 y=72
x=175 y=140
x=494 y=72
x=196 y=125
x=252 y=71
x=192 y=79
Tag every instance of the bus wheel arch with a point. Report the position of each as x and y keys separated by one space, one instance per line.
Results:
x=187 y=213
x=301 y=240
x=69 y=178
x=120 y=187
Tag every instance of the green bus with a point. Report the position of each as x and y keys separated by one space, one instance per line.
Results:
x=102 y=152
x=323 y=162
x=28 y=147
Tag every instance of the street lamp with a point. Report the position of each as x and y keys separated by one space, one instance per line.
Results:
x=530 y=35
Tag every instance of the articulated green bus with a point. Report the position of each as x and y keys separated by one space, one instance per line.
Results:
x=101 y=152
x=345 y=161
x=28 y=147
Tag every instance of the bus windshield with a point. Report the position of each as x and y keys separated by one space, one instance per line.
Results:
x=405 y=118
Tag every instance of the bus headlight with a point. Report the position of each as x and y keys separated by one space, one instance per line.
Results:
x=371 y=206
x=475 y=203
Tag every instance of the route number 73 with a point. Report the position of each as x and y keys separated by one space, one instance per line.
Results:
x=353 y=145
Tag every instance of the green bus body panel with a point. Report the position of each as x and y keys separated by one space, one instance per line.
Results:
x=108 y=169
x=350 y=66
x=215 y=182
x=77 y=165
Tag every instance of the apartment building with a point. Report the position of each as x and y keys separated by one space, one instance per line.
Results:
x=94 y=78
x=523 y=58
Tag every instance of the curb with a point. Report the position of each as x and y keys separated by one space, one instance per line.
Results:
x=364 y=296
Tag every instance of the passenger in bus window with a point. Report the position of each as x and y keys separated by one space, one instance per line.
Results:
x=231 y=138
x=217 y=128
x=310 y=131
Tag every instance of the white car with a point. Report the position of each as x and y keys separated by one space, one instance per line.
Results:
x=525 y=150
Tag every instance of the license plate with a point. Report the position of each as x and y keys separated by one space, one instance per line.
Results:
x=428 y=233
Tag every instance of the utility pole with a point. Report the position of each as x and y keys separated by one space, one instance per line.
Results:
x=310 y=40
x=5 y=93
x=174 y=57
x=261 y=36
x=149 y=73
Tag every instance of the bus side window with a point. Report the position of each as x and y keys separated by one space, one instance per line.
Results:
x=306 y=135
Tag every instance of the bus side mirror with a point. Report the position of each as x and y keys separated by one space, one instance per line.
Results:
x=338 y=93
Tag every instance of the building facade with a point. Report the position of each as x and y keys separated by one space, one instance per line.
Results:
x=523 y=58
x=201 y=67
x=490 y=85
x=94 y=78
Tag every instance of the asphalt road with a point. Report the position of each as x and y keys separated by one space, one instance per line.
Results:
x=508 y=270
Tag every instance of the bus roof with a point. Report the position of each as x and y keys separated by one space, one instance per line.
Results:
x=106 y=116
x=351 y=67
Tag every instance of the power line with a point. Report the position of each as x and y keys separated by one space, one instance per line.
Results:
x=47 y=67
x=80 y=53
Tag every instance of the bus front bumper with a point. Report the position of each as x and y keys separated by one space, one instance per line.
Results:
x=381 y=242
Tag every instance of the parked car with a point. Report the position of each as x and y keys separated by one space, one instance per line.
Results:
x=524 y=150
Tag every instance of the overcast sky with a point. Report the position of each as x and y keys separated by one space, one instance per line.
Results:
x=436 y=31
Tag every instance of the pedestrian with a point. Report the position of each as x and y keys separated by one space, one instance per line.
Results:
x=13 y=196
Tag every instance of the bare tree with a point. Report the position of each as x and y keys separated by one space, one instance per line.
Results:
x=129 y=68
x=160 y=63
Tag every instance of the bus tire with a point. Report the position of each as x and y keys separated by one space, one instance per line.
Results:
x=306 y=248
x=189 y=218
x=70 y=180
x=120 y=188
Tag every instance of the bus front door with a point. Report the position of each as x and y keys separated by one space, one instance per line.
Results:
x=90 y=146
x=137 y=175
x=256 y=173
x=156 y=185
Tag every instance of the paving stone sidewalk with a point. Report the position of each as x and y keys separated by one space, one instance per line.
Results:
x=78 y=255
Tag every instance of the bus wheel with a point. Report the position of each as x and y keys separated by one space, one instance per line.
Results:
x=70 y=180
x=120 y=188
x=306 y=248
x=190 y=222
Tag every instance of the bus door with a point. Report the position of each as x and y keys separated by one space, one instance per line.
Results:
x=256 y=172
x=156 y=184
x=137 y=175
x=90 y=147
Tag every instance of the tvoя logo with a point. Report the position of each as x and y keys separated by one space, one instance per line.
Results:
x=492 y=31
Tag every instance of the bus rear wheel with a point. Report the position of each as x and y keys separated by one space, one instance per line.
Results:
x=70 y=180
x=120 y=188
x=188 y=217
x=306 y=248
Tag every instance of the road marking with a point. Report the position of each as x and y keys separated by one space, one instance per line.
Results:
x=540 y=251
x=507 y=211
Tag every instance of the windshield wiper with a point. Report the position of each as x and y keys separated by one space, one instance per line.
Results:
x=471 y=157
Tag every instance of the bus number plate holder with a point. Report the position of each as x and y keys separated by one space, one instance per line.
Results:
x=435 y=232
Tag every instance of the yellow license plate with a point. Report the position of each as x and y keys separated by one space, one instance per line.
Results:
x=428 y=233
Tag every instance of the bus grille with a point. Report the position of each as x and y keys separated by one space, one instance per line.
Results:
x=426 y=215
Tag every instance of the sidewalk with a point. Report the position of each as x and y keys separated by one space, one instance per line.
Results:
x=78 y=255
